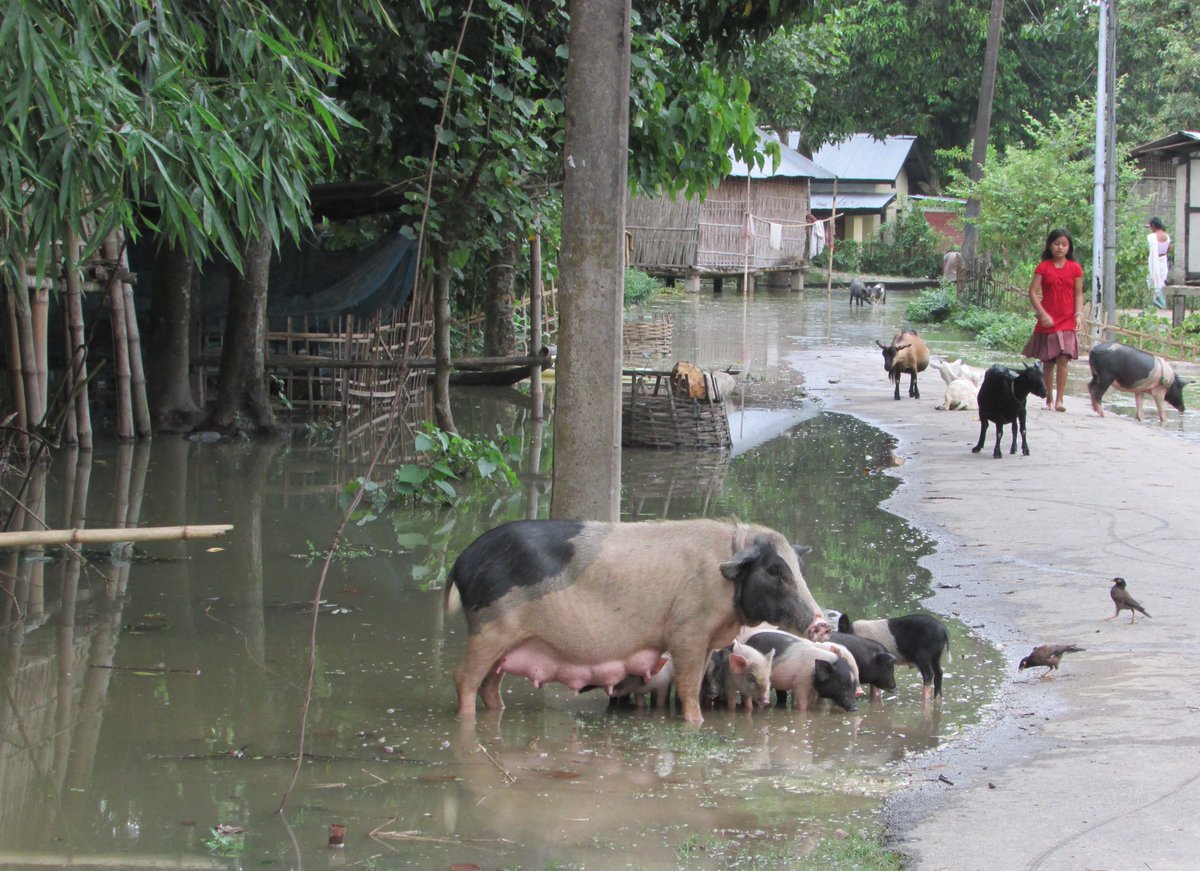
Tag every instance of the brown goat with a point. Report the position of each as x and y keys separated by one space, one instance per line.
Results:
x=907 y=353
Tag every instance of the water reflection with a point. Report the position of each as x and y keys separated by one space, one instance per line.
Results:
x=112 y=744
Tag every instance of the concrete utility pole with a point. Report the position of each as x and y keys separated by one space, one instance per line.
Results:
x=587 y=403
x=1104 y=197
x=1110 y=168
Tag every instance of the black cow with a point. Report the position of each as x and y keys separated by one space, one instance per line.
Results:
x=1002 y=400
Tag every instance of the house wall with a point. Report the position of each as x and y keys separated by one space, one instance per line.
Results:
x=1158 y=185
x=722 y=248
x=663 y=233
x=1187 y=219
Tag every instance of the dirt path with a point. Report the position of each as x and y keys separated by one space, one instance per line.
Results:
x=1099 y=767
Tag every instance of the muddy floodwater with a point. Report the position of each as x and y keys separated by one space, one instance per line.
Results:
x=156 y=692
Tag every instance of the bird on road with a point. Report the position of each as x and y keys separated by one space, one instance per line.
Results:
x=1124 y=601
x=1047 y=656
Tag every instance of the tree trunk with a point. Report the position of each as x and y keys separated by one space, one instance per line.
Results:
x=242 y=382
x=983 y=123
x=169 y=388
x=587 y=428
x=499 y=331
x=441 y=341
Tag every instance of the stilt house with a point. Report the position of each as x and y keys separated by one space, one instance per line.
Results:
x=755 y=220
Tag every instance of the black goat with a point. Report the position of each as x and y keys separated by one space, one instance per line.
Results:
x=1002 y=400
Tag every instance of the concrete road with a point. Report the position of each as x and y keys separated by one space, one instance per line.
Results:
x=1099 y=766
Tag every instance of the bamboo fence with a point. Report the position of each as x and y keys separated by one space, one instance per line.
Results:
x=649 y=339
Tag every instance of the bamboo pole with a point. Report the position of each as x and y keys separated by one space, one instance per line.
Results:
x=535 y=323
x=35 y=401
x=108 y=536
x=14 y=360
x=76 y=344
x=40 y=319
x=70 y=428
x=101 y=860
x=116 y=298
x=133 y=335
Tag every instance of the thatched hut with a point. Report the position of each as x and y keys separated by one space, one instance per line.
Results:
x=755 y=220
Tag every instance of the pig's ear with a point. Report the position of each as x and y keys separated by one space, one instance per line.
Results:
x=885 y=659
x=737 y=563
x=770 y=657
x=844 y=625
x=823 y=668
x=737 y=663
x=802 y=550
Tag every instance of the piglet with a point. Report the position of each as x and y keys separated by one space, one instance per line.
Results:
x=876 y=667
x=915 y=639
x=740 y=674
x=844 y=653
x=657 y=687
x=806 y=670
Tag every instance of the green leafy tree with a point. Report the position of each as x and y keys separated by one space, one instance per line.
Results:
x=913 y=67
x=1159 y=66
x=202 y=122
x=1028 y=190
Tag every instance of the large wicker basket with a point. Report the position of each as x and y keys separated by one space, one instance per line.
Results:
x=652 y=417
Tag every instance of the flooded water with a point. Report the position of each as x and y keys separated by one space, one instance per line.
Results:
x=157 y=692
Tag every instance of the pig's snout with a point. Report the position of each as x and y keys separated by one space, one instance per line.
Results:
x=818 y=630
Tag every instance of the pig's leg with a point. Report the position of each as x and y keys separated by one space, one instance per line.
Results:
x=689 y=668
x=1158 y=401
x=1137 y=401
x=477 y=674
x=489 y=690
x=1096 y=389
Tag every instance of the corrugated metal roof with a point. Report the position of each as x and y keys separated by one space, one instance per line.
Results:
x=1178 y=141
x=851 y=202
x=791 y=164
x=862 y=157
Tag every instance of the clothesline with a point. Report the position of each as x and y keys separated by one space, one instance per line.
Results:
x=789 y=224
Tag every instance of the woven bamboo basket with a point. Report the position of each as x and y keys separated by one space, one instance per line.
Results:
x=653 y=417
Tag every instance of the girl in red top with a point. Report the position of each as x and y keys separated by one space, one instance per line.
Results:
x=1057 y=296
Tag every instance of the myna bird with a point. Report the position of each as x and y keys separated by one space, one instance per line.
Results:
x=1047 y=656
x=1124 y=601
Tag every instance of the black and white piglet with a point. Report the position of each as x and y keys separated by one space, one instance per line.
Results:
x=915 y=640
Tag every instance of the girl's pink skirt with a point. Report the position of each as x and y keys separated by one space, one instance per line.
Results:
x=1050 y=346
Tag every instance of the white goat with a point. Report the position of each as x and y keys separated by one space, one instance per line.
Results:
x=959 y=369
x=961 y=394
